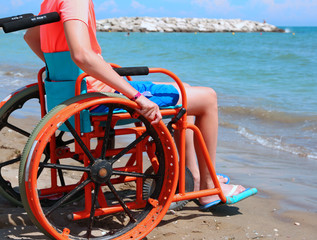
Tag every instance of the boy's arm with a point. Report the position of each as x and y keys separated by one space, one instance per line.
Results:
x=78 y=41
x=32 y=38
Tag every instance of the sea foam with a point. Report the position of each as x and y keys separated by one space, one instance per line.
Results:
x=277 y=144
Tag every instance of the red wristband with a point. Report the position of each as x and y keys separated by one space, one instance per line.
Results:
x=136 y=96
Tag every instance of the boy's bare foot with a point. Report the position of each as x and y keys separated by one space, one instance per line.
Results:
x=228 y=190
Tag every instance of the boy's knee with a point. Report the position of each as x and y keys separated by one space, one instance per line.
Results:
x=212 y=95
x=211 y=101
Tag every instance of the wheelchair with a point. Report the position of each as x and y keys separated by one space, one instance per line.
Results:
x=92 y=175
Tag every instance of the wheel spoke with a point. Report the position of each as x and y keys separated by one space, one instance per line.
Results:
x=17 y=129
x=5 y=184
x=129 y=147
x=66 y=143
x=135 y=174
x=93 y=209
x=60 y=174
x=10 y=162
x=60 y=136
x=107 y=133
x=124 y=206
x=62 y=143
x=41 y=167
x=67 y=197
x=64 y=167
x=80 y=142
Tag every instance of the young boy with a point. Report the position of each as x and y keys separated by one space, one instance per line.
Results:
x=76 y=34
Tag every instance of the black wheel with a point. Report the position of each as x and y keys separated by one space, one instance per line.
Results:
x=189 y=187
x=114 y=156
x=14 y=132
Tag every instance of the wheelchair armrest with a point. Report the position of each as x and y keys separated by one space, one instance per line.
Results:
x=132 y=71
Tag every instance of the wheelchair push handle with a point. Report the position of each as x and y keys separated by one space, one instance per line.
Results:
x=132 y=71
x=15 y=18
x=31 y=21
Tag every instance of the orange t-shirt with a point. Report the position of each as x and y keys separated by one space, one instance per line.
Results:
x=53 y=36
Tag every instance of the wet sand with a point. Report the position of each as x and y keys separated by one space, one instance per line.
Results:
x=264 y=216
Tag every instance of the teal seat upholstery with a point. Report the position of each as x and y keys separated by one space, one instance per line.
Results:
x=62 y=74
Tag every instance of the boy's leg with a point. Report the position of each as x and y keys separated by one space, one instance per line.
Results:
x=202 y=103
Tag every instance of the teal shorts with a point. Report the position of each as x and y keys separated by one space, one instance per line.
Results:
x=163 y=95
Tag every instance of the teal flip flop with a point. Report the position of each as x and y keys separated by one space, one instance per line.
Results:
x=230 y=199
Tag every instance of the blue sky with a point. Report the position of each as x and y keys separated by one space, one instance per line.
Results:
x=277 y=12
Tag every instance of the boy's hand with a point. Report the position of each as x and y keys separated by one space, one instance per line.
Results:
x=149 y=109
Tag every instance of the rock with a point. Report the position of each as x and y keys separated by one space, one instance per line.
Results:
x=151 y=24
x=147 y=26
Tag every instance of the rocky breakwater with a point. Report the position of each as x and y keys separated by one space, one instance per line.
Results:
x=151 y=24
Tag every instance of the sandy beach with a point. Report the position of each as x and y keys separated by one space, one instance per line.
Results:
x=253 y=218
x=264 y=216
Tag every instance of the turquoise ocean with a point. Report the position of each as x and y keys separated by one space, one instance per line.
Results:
x=267 y=95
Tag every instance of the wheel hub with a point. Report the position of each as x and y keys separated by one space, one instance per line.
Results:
x=101 y=171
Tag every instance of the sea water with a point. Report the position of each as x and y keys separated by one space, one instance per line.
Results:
x=266 y=85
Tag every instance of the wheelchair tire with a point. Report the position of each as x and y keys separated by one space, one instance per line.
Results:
x=112 y=209
x=14 y=105
x=189 y=187
x=15 y=129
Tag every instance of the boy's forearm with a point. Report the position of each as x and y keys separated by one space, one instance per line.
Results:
x=95 y=66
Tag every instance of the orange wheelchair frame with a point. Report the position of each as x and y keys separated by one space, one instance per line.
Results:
x=175 y=169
